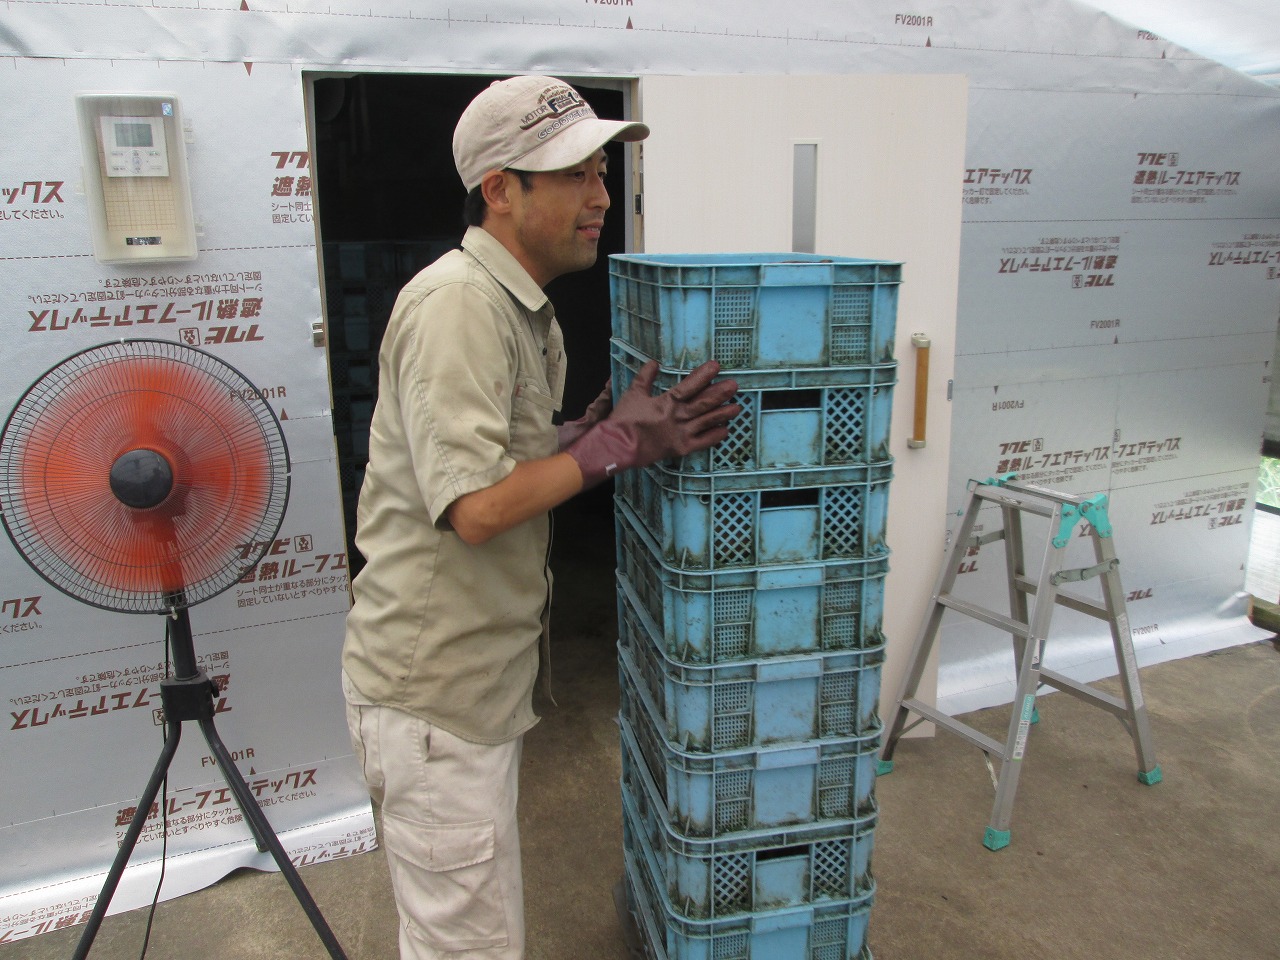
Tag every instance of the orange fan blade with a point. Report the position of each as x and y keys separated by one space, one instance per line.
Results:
x=220 y=441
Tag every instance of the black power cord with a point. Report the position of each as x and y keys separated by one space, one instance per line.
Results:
x=164 y=812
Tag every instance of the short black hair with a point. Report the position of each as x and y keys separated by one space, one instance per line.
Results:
x=474 y=209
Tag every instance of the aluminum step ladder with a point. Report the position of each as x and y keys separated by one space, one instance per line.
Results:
x=1064 y=513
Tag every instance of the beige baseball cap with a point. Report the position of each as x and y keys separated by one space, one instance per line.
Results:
x=531 y=123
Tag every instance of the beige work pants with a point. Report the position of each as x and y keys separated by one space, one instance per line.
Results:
x=449 y=832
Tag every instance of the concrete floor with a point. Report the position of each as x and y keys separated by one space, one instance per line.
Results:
x=1100 y=865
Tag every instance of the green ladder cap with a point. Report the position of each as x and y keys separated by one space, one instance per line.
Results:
x=999 y=481
x=1151 y=777
x=996 y=839
x=1095 y=511
x=884 y=767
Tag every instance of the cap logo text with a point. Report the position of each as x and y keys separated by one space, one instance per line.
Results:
x=559 y=104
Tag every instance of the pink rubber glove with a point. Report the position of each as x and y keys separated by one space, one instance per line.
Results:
x=643 y=429
x=597 y=410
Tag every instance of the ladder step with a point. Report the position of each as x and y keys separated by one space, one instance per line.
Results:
x=1054 y=496
x=989 y=617
x=1085 y=692
x=1000 y=495
x=980 y=740
x=1063 y=599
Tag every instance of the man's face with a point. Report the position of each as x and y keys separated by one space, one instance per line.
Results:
x=558 y=220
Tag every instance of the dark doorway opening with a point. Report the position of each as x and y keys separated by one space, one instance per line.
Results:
x=389 y=203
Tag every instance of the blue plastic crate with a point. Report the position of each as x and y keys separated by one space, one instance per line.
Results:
x=789 y=419
x=828 y=931
x=708 y=879
x=754 y=703
x=724 y=520
x=748 y=613
x=734 y=793
x=750 y=310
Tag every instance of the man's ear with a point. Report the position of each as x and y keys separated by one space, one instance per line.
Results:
x=495 y=188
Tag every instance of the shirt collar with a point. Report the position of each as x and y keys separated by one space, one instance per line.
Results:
x=498 y=260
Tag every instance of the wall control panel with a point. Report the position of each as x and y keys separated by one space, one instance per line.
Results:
x=135 y=177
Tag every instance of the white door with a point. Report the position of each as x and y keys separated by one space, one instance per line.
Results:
x=860 y=166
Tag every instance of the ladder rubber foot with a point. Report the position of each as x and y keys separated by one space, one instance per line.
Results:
x=884 y=767
x=996 y=839
x=1151 y=777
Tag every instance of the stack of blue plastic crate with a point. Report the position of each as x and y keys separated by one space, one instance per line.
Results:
x=750 y=603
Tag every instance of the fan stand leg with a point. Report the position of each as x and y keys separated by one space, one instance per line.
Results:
x=192 y=698
x=265 y=836
x=174 y=733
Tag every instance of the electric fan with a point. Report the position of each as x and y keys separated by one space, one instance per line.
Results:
x=145 y=476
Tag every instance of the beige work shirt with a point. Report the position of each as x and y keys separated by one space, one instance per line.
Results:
x=470 y=370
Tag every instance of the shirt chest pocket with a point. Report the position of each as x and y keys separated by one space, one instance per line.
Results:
x=533 y=435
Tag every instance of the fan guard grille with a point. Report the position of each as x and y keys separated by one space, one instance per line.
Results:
x=221 y=440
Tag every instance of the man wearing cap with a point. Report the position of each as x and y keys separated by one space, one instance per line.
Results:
x=465 y=464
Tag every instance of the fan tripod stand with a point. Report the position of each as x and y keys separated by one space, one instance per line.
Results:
x=132 y=476
x=189 y=695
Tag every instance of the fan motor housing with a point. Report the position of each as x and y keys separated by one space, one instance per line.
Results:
x=141 y=478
